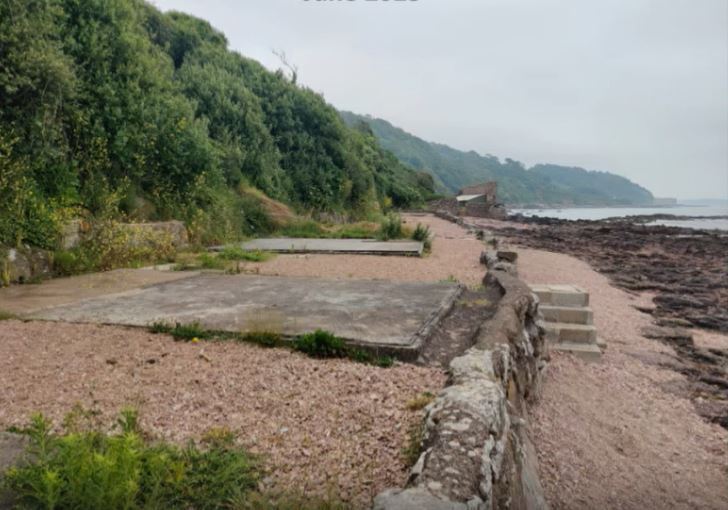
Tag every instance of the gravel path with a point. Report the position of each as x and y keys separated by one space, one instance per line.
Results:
x=455 y=254
x=323 y=426
x=620 y=434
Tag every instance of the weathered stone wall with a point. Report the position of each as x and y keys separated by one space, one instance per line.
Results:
x=448 y=205
x=24 y=264
x=476 y=450
x=138 y=233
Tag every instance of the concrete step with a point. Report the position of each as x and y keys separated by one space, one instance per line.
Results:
x=587 y=352
x=567 y=314
x=564 y=332
x=561 y=295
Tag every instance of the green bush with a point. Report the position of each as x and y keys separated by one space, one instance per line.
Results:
x=390 y=227
x=92 y=469
x=210 y=261
x=321 y=344
x=422 y=233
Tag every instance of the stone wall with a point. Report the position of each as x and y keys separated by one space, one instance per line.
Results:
x=138 y=233
x=476 y=450
x=24 y=265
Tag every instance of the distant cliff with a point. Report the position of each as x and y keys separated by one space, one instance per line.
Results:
x=543 y=184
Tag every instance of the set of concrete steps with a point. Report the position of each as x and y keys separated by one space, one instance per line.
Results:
x=569 y=321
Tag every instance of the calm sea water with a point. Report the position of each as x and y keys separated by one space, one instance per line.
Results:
x=686 y=208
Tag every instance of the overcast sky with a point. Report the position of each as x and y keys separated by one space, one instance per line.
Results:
x=636 y=87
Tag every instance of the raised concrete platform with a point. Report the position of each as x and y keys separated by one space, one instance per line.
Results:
x=333 y=246
x=391 y=318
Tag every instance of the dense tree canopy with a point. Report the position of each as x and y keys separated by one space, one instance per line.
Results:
x=110 y=107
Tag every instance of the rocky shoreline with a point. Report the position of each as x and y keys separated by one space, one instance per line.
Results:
x=686 y=270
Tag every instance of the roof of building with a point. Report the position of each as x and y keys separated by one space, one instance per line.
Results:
x=468 y=198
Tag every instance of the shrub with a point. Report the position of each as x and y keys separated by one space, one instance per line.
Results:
x=237 y=253
x=422 y=233
x=303 y=229
x=210 y=261
x=390 y=227
x=321 y=344
x=120 y=471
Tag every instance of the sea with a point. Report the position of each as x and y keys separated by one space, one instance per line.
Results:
x=697 y=209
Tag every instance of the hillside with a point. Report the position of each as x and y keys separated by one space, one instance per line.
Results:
x=113 y=109
x=543 y=184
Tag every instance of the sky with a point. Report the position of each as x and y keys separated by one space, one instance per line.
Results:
x=635 y=87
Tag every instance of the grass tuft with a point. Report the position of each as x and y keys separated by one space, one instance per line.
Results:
x=413 y=448
x=420 y=401
x=6 y=316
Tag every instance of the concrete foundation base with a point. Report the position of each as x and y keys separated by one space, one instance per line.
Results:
x=386 y=317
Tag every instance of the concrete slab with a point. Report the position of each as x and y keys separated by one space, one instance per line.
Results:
x=332 y=246
x=23 y=299
x=389 y=317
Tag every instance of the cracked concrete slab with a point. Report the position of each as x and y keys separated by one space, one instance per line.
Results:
x=390 y=317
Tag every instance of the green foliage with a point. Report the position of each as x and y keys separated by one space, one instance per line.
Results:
x=391 y=227
x=450 y=170
x=112 y=245
x=237 y=253
x=91 y=469
x=264 y=338
x=303 y=229
x=115 y=110
x=422 y=233
x=321 y=344
x=184 y=332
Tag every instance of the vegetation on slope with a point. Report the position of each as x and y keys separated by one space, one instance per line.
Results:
x=110 y=108
x=543 y=184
